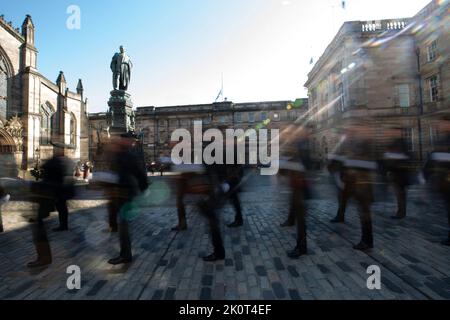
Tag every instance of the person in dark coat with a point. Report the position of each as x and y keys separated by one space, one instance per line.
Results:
x=396 y=165
x=358 y=177
x=225 y=183
x=294 y=163
x=437 y=168
x=52 y=192
x=128 y=167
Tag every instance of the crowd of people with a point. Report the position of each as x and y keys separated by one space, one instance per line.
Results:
x=353 y=166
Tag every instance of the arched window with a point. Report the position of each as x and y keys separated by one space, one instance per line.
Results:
x=46 y=124
x=3 y=89
x=73 y=130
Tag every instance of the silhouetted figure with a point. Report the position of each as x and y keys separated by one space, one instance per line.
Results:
x=437 y=168
x=335 y=167
x=128 y=169
x=232 y=180
x=295 y=163
x=53 y=192
x=209 y=207
x=225 y=181
x=396 y=165
x=191 y=179
x=359 y=167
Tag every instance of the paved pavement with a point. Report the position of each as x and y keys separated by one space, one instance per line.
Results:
x=168 y=266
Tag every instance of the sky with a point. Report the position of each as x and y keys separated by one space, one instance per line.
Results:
x=181 y=49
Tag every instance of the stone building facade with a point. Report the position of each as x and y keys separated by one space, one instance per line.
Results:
x=156 y=124
x=393 y=73
x=36 y=113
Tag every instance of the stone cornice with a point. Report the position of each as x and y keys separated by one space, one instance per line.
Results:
x=12 y=31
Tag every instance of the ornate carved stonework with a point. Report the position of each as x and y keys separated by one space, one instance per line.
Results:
x=14 y=128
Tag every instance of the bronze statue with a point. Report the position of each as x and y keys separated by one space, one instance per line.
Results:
x=121 y=66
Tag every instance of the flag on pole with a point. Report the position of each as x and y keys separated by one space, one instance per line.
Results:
x=219 y=95
x=221 y=91
x=343 y=4
x=311 y=61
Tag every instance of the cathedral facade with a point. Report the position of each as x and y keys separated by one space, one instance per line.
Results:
x=36 y=114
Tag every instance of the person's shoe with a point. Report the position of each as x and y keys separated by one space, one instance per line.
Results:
x=337 y=220
x=446 y=243
x=296 y=253
x=60 y=229
x=362 y=246
x=398 y=217
x=287 y=224
x=119 y=260
x=235 y=224
x=214 y=257
x=38 y=264
x=31 y=220
x=1 y=229
x=179 y=228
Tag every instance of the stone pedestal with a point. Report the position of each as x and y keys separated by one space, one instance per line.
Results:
x=120 y=114
x=120 y=119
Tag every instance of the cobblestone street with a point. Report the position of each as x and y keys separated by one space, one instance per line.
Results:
x=167 y=264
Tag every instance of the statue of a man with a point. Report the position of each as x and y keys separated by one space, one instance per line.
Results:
x=121 y=66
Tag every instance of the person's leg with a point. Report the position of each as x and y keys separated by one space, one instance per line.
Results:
x=238 y=219
x=343 y=196
x=63 y=215
x=181 y=209
x=125 y=240
x=1 y=220
x=290 y=221
x=363 y=197
x=125 y=255
x=400 y=194
x=112 y=215
x=300 y=212
x=40 y=240
x=208 y=210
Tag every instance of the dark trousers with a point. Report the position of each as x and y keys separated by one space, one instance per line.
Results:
x=234 y=197
x=208 y=209
x=39 y=231
x=181 y=209
x=1 y=220
x=63 y=213
x=122 y=226
x=358 y=185
x=298 y=210
x=400 y=194
x=125 y=240
x=343 y=197
x=112 y=215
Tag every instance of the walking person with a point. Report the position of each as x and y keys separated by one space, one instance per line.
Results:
x=131 y=179
x=53 y=192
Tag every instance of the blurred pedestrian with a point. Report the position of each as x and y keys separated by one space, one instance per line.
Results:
x=358 y=177
x=52 y=192
x=128 y=166
x=437 y=168
x=396 y=164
